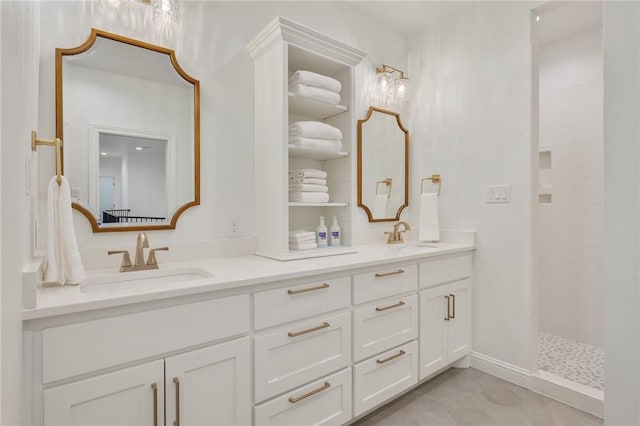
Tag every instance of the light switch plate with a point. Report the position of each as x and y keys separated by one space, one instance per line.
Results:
x=498 y=194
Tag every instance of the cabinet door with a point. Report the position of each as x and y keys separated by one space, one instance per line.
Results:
x=129 y=397
x=433 y=330
x=459 y=339
x=210 y=386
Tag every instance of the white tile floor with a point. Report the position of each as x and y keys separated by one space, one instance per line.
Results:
x=578 y=362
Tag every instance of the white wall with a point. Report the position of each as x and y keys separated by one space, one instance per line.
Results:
x=621 y=47
x=147 y=179
x=211 y=47
x=471 y=118
x=570 y=231
x=19 y=84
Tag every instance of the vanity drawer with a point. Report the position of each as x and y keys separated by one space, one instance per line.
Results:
x=273 y=307
x=328 y=403
x=293 y=355
x=88 y=346
x=384 y=325
x=384 y=283
x=382 y=377
x=440 y=271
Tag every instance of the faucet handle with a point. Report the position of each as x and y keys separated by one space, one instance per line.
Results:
x=126 y=259
x=390 y=239
x=151 y=260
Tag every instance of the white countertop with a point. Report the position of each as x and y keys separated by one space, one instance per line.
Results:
x=227 y=273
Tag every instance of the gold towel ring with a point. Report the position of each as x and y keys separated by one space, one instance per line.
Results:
x=435 y=178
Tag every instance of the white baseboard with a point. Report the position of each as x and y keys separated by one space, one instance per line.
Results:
x=573 y=394
x=503 y=370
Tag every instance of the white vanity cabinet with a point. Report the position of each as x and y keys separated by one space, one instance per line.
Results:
x=206 y=386
x=132 y=369
x=129 y=397
x=445 y=313
x=279 y=50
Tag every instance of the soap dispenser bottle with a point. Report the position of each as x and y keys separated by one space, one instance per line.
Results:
x=334 y=233
x=321 y=234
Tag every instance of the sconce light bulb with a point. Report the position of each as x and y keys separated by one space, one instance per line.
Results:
x=538 y=18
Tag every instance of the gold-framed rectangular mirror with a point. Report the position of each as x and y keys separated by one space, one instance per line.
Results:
x=383 y=165
x=129 y=117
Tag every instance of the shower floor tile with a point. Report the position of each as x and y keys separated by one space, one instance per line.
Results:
x=578 y=362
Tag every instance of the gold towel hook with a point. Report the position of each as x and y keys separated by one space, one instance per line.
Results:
x=435 y=178
x=388 y=182
x=35 y=141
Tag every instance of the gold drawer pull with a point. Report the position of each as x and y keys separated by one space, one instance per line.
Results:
x=326 y=385
x=392 y=357
x=154 y=386
x=453 y=302
x=390 y=307
x=386 y=274
x=304 y=290
x=177 y=420
x=448 y=309
x=310 y=330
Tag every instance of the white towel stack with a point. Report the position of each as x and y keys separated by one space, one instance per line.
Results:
x=315 y=135
x=308 y=186
x=320 y=87
x=302 y=240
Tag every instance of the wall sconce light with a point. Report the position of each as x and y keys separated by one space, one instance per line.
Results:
x=165 y=13
x=391 y=88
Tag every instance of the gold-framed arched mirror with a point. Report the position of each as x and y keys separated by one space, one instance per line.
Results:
x=383 y=165
x=129 y=118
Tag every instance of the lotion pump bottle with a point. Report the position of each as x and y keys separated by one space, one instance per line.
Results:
x=334 y=233
x=321 y=233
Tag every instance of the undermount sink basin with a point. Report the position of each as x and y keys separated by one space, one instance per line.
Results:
x=411 y=248
x=141 y=279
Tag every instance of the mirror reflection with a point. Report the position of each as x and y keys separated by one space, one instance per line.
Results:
x=129 y=119
x=383 y=165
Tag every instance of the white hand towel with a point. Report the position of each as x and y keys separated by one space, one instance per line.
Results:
x=308 y=173
x=429 y=222
x=304 y=246
x=321 y=95
x=64 y=264
x=301 y=233
x=380 y=206
x=314 y=181
x=314 y=129
x=302 y=240
x=309 y=197
x=330 y=145
x=317 y=80
x=307 y=187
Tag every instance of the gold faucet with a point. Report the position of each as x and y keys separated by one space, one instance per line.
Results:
x=395 y=237
x=142 y=242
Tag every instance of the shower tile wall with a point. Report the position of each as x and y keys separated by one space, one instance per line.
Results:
x=571 y=225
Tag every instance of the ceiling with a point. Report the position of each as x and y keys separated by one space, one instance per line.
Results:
x=408 y=17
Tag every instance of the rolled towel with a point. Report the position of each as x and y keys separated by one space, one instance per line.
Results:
x=429 y=222
x=316 y=80
x=315 y=181
x=330 y=145
x=314 y=129
x=307 y=187
x=304 y=246
x=63 y=264
x=309 y=197
x=308 y=173
x=316 y=93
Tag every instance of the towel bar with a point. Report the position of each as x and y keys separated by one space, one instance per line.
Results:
x=388 y=182
x=35 y=141
x=435 y=178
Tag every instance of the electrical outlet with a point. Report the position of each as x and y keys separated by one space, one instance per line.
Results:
x=235 y=226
